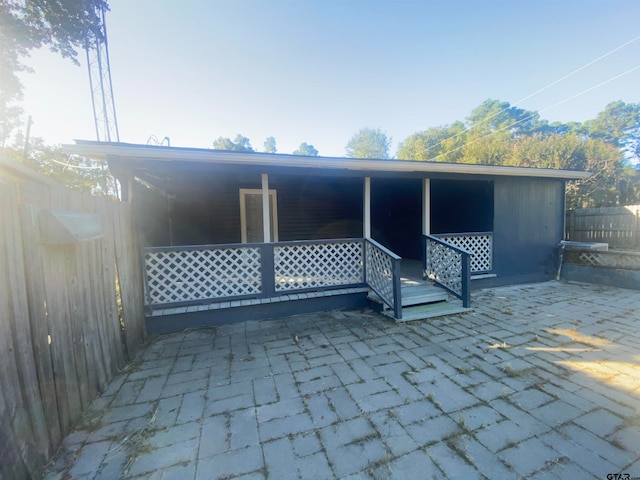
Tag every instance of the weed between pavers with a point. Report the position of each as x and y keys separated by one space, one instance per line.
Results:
x=137 y=443
x=364 y=438
x=455 y=444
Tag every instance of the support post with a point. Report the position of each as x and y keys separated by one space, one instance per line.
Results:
x=366 y=220
x=426 y=222
x=266 y=210
x=267 y=259
x=426 y=206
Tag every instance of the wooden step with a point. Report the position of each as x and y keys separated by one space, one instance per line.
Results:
x=432 y=310
x=415 y=295
x=422 y=295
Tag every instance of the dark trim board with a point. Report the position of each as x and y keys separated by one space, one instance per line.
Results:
x=161 y=324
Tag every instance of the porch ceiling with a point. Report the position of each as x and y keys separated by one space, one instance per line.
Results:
x=134 y=152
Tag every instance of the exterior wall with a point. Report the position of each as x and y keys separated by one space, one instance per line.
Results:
x=205 y=208
x=315 y=208
x=396 y=215
x=528 y=227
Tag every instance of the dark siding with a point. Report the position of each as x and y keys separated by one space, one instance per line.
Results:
x=313 y=208
x=461 y=206
x=205 y=208
x=150 y=210
x=396 y=215
x=528 y=225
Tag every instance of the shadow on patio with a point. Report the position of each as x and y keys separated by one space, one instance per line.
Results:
x=540 y=381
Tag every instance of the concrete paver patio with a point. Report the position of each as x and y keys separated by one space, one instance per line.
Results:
x=539 y=381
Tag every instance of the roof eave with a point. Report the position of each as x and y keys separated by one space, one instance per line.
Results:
x=103 y=151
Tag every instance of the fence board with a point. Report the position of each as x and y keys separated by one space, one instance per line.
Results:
x=129 y=269
x=617 y=226
x=16 y=416
x=60 y=333
x=37 y=313
x=21 y=330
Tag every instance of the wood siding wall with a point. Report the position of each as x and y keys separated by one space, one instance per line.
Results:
x=70 y=317
x=528 y=227
x=205 y=208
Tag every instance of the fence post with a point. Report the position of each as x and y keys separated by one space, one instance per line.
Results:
x=268 y=269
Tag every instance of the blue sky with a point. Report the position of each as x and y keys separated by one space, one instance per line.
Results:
x=318 y=71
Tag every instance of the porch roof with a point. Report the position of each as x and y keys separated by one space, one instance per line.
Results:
x=129 y=152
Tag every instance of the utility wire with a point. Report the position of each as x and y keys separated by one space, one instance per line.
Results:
x=564 y=77
x=68 y=165
x=543 y=110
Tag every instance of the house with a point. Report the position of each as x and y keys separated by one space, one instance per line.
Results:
x=230 y=236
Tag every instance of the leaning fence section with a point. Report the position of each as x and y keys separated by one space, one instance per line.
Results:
x=71 y=311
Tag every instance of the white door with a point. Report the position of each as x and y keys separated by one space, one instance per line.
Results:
x=251 y=215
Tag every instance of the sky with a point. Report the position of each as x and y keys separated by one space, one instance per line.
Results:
x=318 y=71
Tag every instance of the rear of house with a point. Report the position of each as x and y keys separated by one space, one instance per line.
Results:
x=230 y=236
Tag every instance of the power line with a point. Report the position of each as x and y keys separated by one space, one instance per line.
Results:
x=543 y=110
x=564 y=77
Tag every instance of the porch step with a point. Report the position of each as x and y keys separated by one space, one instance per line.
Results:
x=415 y=295
x=431 y=310
x=422 y=295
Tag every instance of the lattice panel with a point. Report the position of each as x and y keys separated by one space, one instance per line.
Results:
x=627 y=260
x=444 y=265
x=187 y=275
x=480 y=246
x=380 y=272
x=317 y=265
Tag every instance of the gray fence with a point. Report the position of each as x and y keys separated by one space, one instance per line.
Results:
x=617 y=226
x=71 y=314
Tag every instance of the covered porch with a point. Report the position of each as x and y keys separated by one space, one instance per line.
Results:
x=230 y=236
x=201 y=285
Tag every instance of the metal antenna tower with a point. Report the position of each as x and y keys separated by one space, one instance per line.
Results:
x=104 y=107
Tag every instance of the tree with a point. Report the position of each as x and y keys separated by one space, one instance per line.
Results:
x=64 y=25
x=240 y=144
x=494 y=115
x=306 y=150
x=368 y=143
x=424 y=145
x=270 y=145
x=76 y=173
x=619 y=125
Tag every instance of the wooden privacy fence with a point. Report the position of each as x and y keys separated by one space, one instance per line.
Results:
x=71 y=314
x=617 y=226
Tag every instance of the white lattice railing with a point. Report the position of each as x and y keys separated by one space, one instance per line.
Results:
x=479 y=244
x=307 y=265
x=383 y=275
x=187 y=274
x=449 y=266
x=212 y=273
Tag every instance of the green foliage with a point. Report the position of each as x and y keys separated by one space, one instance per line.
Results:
x=270 y=145
x=65 y=26
x=498 y=134
x=74 y=172
x=306 y=150
x=368 y=143
x=240 y=144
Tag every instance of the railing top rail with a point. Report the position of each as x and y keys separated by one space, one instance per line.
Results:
x=383 y=248
x=447 y=244
x=465 y=234
x=217 y=246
